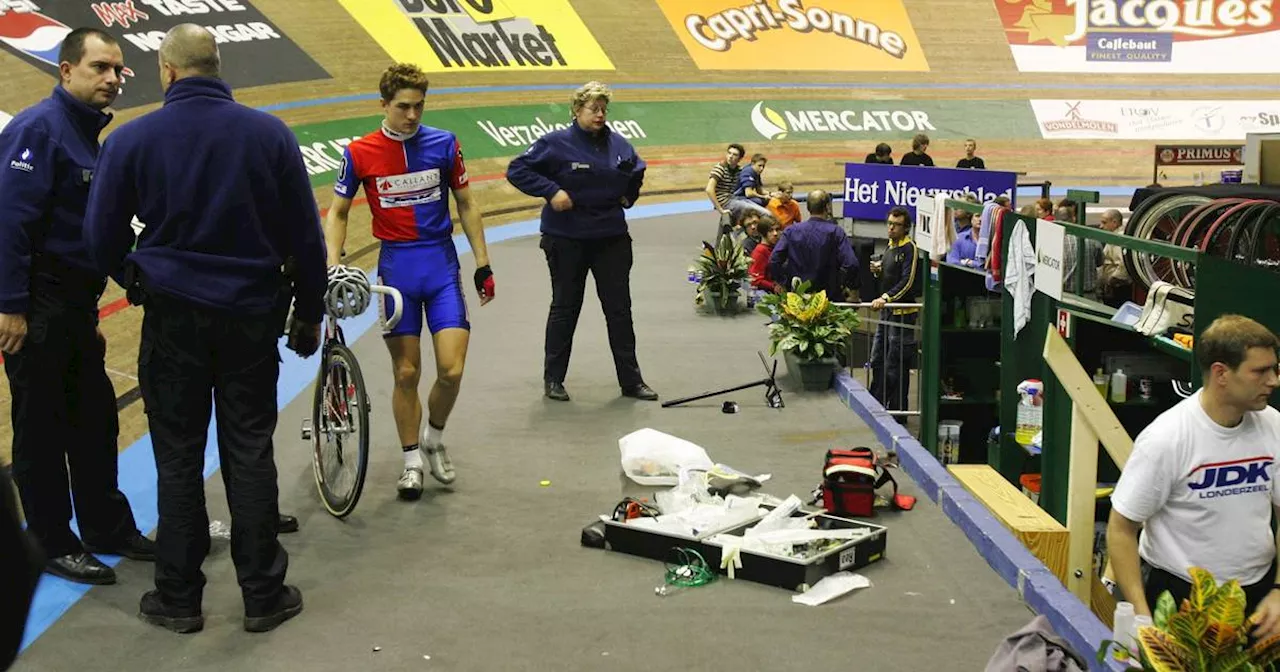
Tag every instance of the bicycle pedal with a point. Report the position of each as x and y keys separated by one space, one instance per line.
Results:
x=306 y=430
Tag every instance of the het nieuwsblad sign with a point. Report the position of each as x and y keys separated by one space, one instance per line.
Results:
x=254 y=50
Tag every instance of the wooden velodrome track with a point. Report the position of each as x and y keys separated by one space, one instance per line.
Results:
x=962 y=39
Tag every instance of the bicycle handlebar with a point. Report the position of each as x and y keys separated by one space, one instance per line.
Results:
x=397 y=302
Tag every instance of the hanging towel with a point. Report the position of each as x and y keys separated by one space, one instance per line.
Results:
x=1020 y=277
x=984 y=235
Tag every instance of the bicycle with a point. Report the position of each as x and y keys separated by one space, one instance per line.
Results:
x=342 y=399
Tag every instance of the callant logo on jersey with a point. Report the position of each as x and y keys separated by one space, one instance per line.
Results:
x=1227 y=479
x=409 y=182
x=450 y=35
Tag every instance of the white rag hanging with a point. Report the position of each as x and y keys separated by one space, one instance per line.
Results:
x=1019 y=278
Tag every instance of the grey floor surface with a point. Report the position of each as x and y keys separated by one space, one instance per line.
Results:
x=489 y=574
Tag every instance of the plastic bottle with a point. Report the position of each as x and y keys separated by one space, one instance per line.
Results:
x=1139 y=622
x=1030 y=411
x=1100 y=382
x=1122 y=631
x=1119 y=386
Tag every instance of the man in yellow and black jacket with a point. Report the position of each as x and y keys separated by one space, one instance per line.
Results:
x=893 y=349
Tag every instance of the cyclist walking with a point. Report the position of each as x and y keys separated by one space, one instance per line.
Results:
x=406 y=168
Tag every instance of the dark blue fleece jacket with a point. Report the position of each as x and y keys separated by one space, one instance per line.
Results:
x=601 y=173
x=225 y=200
x=47 y=155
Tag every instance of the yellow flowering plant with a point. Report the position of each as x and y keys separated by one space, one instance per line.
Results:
x=806 y=324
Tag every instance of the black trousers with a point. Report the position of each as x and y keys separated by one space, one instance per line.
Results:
x=893 y=355
x=65 y=426
x=191 y=360
x=1156 y=581
x=609 y=261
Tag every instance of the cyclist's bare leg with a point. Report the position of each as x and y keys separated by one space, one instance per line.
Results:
x=406 y=367
x=450 y=347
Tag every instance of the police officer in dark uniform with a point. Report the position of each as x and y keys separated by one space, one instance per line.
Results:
x=893 y=348
x=64 y=406
x=227 y=205
x=588 y=174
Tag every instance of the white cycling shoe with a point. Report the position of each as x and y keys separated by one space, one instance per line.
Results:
x=410 y=484
x=440 y=464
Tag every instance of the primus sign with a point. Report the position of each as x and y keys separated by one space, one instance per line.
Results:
x=1171 y=36
x=447 y=35
x=785 y=34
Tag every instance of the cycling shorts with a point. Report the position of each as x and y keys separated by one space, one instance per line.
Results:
x=429 y=280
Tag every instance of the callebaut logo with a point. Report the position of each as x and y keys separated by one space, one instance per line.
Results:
x=1191 y=18
x=1075 y=121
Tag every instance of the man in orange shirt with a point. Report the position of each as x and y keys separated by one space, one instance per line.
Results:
x=784 y=207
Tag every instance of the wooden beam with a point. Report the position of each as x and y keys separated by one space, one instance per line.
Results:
x=1032 y=525
x=1095 y=409
x=1082 y=484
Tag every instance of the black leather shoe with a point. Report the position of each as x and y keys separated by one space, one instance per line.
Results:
x=135 y=547
x=287 y=524
x=153 y=610
x=290 y=605
x=556 y=391
x=640 y=391
x=81 y=568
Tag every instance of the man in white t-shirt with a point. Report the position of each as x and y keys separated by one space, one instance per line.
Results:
x=1200 y=481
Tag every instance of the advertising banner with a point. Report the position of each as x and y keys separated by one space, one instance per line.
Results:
x=1213 y=120
x=1142 y=36
x=254 y=51
x=871 y=190
x=481 y=35
x=840 y=35
x=488 y=132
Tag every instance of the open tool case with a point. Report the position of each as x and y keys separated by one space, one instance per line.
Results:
x=788 y=572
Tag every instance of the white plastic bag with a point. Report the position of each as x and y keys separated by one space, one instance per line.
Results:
x=650 y=457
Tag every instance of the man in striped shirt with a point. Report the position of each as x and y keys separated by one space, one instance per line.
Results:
x=722 y=182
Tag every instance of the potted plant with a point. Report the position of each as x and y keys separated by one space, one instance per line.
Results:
x=809 y=331
x=1207 y=632
x=720 y=272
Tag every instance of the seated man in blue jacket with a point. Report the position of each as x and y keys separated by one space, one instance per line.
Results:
x=227 y=205
x=588 y=175
x=816 y=250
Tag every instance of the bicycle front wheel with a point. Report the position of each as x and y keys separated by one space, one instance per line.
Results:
x=340 y=435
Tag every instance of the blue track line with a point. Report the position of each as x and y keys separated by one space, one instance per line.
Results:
x=669 y=86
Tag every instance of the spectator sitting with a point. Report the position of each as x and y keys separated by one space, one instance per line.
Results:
x=965 y=249
x=749 y=194
x=746 y=227
x=721 y=182
x=783 y=206
x=1044 y=209
x=768 y=229
x=918 y=155
x=751 y=228
x=969 y=160
x=883 y=154
x=816 y=250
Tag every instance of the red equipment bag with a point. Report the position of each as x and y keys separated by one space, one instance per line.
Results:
x=850 y=478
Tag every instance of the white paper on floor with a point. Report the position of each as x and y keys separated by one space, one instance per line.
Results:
x=650 y=457
x=831 y=587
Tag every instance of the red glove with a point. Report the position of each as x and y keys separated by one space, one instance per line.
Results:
x=484 y=282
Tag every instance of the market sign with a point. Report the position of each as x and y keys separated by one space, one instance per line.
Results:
x=481 y=35
x=846 y=35
x=1141 y=36
x=254 y=51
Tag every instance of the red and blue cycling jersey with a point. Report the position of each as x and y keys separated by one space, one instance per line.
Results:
x=406 y=182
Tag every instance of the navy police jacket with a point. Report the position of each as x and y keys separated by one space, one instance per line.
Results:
x=601 y=173
x=225 y=199
x=47 y=155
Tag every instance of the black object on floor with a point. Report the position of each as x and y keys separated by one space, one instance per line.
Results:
x=772 y=393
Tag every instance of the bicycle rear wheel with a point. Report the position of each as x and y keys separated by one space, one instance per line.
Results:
x=340 y=434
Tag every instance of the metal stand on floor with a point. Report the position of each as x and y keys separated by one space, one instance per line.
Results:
x=772 y=393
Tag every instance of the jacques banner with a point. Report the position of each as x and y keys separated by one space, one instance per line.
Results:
x=871 y=190
x=254 y=50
